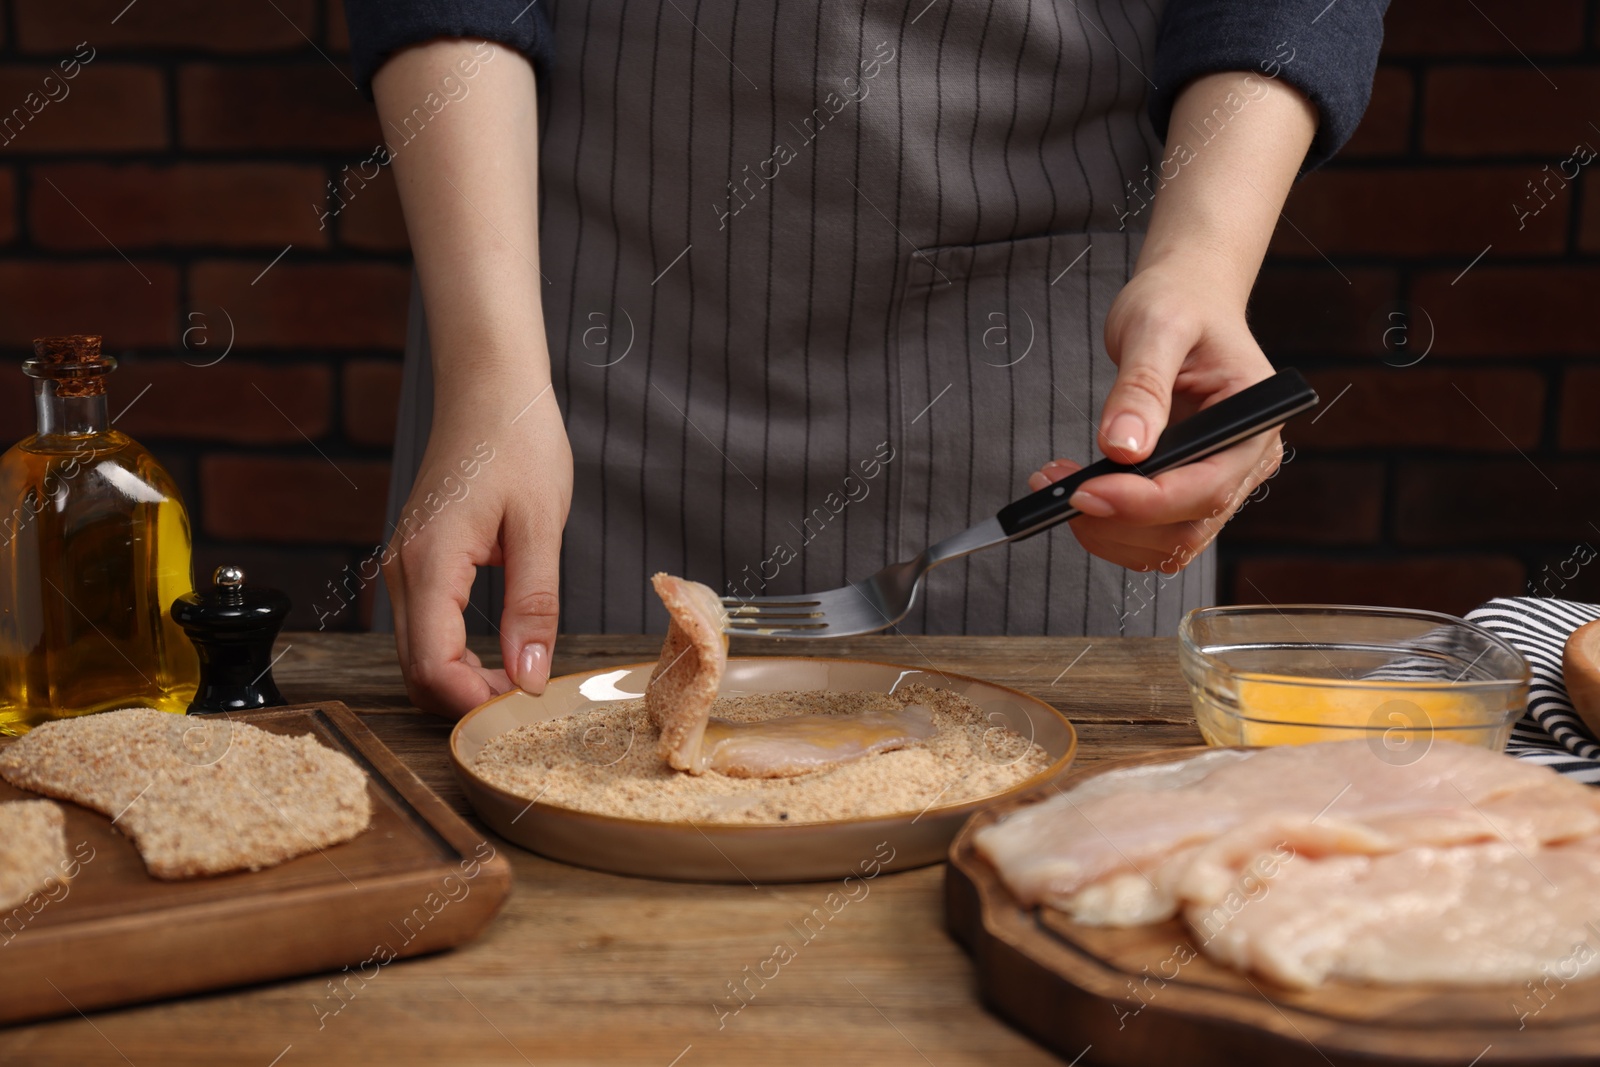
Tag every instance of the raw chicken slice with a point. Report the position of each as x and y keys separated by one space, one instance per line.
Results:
x=1468 y=915
x=800 y=744
x=689 y=672
x=688 y=676
x=1190 y=837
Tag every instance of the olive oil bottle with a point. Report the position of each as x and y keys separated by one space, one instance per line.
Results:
x=94 y=548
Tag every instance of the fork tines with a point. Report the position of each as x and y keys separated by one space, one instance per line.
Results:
x=763 y=613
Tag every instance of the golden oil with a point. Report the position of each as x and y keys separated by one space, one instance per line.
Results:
x=94 y=548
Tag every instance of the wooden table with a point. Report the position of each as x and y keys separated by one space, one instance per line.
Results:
x=589 y=968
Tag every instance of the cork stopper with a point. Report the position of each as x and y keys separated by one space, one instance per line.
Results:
x=74 y=361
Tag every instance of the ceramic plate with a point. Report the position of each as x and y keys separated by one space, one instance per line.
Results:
x=702 y=852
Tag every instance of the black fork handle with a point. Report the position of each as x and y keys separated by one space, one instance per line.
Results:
x=1246 y=413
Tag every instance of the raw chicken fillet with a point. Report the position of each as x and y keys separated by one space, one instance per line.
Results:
x=1313 y=861
x=688 y=676
x=689 y=673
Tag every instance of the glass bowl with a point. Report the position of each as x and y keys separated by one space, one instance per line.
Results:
x=1299 y=673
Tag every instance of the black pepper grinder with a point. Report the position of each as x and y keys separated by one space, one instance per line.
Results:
x=232 y=627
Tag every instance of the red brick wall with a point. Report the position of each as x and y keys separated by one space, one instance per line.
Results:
x=170 y=201
x=1441 y=479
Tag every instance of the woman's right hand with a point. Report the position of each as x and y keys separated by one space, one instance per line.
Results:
x=466 y=163
x=494 y=489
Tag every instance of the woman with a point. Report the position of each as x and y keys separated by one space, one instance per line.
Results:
x=769 y=296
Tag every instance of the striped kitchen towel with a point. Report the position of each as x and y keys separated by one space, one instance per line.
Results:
x=1550 y=733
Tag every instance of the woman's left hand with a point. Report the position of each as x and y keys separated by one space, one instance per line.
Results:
x=1177 y=330
x=1180 y=343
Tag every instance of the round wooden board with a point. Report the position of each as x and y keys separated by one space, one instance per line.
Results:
x=1145 y=995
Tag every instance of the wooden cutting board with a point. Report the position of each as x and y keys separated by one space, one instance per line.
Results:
x=1145 y=995
x=418 y=880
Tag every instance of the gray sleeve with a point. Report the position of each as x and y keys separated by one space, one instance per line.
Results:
x=379 y=28
x=1328 y=51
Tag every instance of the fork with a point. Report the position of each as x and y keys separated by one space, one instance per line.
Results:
x=880 y=601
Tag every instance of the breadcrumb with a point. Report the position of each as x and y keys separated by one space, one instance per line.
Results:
x=605 y=761
x=197 y=795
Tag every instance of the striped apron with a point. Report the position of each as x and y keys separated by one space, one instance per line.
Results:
x=826 y=282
